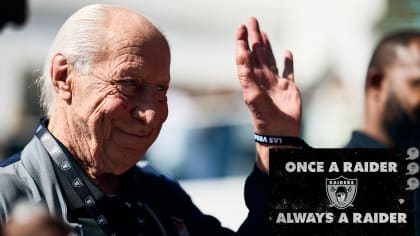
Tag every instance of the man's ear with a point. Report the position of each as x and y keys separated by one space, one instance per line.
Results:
x=60 y=77
x=374 y=82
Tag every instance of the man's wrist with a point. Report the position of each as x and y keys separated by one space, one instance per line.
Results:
x=288 y=141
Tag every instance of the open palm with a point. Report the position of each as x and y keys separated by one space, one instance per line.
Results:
x=274 y=101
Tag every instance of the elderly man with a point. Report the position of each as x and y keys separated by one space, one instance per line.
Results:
x=104 y=93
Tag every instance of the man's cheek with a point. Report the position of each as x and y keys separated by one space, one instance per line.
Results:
x=164 y=115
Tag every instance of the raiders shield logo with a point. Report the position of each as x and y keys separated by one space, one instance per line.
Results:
x=65 y=165
x=89 y=201
x=341 y=191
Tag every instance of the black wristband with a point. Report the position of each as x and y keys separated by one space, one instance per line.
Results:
x=280 y=140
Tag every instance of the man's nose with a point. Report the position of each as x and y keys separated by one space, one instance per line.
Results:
x=146 y=104
x=146 y=116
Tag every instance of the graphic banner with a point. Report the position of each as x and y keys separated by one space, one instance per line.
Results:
x=344 y=192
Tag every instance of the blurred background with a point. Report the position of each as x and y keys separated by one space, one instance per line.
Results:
x=207 y=141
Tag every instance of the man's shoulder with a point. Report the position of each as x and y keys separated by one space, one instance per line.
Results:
x=359 y=139
x=12 y=159
x=14 y=191
x=11 y=182
x=16 y=182
x=13 y=188
x=11 y=178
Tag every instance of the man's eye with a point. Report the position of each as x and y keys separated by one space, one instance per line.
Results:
x=127 y=87
x=162 y=88
x=126 y=83
x=416 y=83
x=130 y=82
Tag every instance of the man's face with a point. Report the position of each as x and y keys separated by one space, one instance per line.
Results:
x=120 y=105
x=402 y=106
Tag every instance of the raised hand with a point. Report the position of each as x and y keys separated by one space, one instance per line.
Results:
x=273 y=101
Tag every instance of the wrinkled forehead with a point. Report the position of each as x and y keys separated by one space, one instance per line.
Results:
x=129 y=31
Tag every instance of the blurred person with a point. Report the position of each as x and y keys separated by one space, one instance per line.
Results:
x=392 y=94
x=104 y=95
x=14 y=12
x=29 y=219
x=392 y=99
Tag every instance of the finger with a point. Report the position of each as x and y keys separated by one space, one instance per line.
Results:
x=257 y=42
x=242 y=47
x=244 y=59
x=254 y=31
x=288 y=66
x=271 y=58
x=242 y=38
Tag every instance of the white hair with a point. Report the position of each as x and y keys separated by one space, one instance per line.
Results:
x=78 y=41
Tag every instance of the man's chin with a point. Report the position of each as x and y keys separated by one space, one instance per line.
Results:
x=401 y=128
x=128 y=159
x=127 y=152
x=133 y=152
